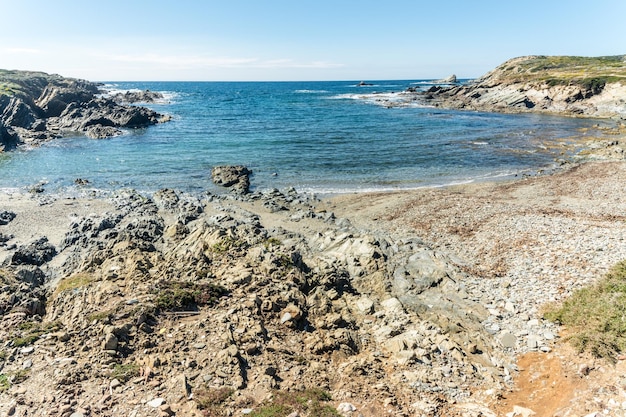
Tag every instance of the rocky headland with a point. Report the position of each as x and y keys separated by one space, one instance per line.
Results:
x=36 y=107
x=563 y=85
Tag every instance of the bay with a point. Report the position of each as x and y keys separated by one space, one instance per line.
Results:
x=322 y=137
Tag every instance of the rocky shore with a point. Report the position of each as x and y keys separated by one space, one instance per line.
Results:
x=36 y=107
x=406 y=304
x=568 y=86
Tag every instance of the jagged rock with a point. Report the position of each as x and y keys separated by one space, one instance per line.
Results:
x=110 y=342
x=30 y=274
x=132 y=97
x=35 y=253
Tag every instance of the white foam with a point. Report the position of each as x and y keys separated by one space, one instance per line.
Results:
x=311 y=91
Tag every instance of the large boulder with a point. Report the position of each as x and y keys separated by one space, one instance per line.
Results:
x=235 y=177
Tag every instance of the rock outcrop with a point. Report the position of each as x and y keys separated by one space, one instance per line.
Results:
x=177 y=299
x=573 y=86
x=36 y=107
x=563 y=85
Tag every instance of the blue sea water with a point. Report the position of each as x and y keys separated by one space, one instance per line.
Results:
x=322 y=137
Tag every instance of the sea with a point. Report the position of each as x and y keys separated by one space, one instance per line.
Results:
x=318 y=137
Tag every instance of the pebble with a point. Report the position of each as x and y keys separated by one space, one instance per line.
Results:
x=157 y=402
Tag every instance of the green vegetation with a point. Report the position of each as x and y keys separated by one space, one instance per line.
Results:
x=6 y=380
x=125 y=372
x=311 y=402
x=227 y=244
x=74 y=282
x=590 y=73
x=4 y=383
x=272 y=241
x=596 y=316
x=180 y=296
x=31 y=331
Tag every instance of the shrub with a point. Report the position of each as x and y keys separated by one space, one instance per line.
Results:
x=125 y=372
x=311 y=402
x=596 y=316
x=178 y=296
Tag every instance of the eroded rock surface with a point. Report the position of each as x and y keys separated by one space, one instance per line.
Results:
x=188 y=295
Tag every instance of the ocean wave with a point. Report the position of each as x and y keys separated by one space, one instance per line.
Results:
x=311 y=91
x=400 y=99
x=112 y=89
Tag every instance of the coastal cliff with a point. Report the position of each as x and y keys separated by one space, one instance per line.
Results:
x=560 y=85
x=566 y=85
x=36 y=107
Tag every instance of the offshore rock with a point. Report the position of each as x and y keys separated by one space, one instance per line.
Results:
x=235 y=177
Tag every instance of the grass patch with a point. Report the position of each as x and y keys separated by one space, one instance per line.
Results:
x=590 y=73
x=4 y=383
x=272 y=241
x=74 y=282
x=31 y=331
x=125 y=372
x=180 y=296
x=311 y=402
x=596 y=316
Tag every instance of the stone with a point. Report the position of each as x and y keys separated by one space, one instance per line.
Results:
x=27 y=350
x=36 y=253
x=521 y=412
x=290 y=313
x=27 y=364
x=6 y=217
x=110 y=342
x=508 y=340
x=346 y=408
x=156 y=402
x=114 y=383
x=532 y=342
x=166 y=410
x=365 y=305
x=392 y=305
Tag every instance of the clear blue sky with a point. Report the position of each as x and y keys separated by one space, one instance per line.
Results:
x=298 y=39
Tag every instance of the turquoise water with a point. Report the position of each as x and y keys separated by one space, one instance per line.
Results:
x=315 y=136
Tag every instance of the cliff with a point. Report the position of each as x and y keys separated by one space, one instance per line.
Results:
x=566 y=85
x=36 y=107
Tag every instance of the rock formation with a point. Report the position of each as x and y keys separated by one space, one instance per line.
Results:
x=173 y=300
x=36 y=107
x=574 y=86
x=562 y=85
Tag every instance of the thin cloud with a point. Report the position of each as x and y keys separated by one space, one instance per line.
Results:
x=196 y=62
x=22 y=50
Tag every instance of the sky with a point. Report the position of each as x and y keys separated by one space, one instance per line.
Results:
x=298 y=40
